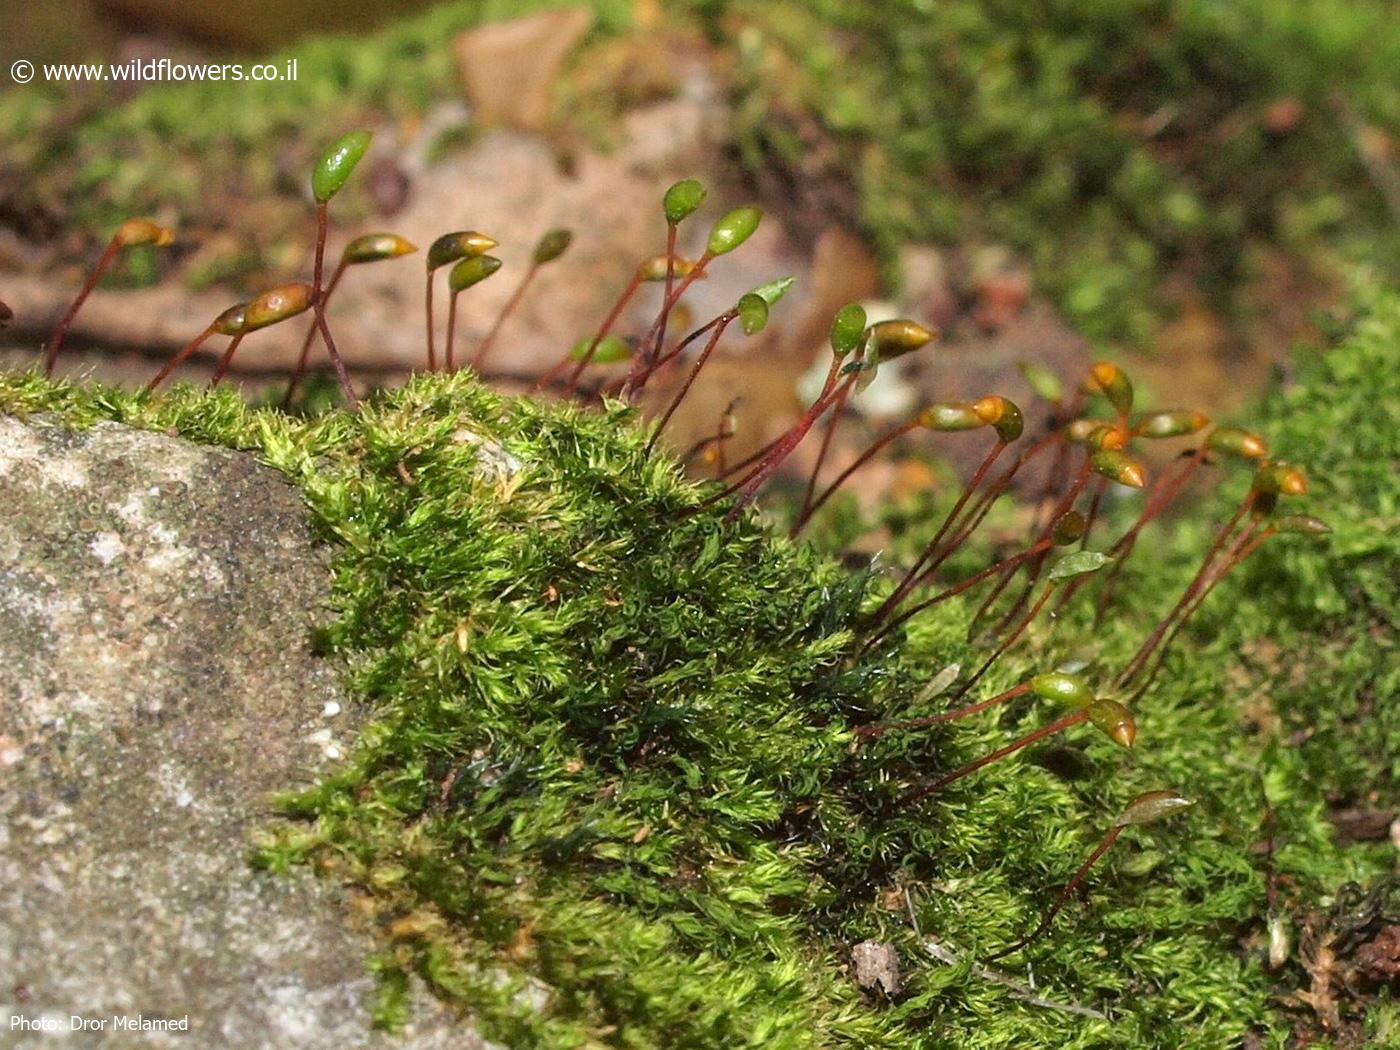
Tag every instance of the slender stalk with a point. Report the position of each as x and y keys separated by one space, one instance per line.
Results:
x=318 y=305
x=1037 y=564
x=1058 y=475
x=670 y=287
x=953 y=592
x=305 y=354
x=345 y=385
x=1010 y=640
x=1095 y=502
x=632 y=386
x=861 y=460
x=226 y=360
x=1154 y=639
x=60 y=331
x=982 y=506
x=180 y=357
x=479 y=358
x=602 y=333
x=726 y=431
x=717 y=439
x=760 y=458
x=432 y=349
x=828 y=433
x=748 y=460
x=676 y=351
x=926 y=563
x=1245 y=543
x=1059 y=725
x=946 y=716
x=1164 y=491
x=1108 y=840
x=322 y=221
x=449 y=364
x=926 y=572
x=782 y=450
x=720 y=324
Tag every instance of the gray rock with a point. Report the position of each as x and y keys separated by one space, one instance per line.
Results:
x=155 y=600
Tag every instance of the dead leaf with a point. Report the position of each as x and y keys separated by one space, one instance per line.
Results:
x=509 y=69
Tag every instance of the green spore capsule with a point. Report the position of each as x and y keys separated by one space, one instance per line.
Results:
x=610 y=350
x=896 y=338
x=274 y=305
x=553 y=244
x=372 y=247
x=682 y=200
x=771 y=292
x=1003 y=414
x=1079 y=431
x=1114 y=720
x=336 y=164
x=1170 y=424
x=1302 y=525
x=137 y=232
x=1107 y=435
x=459 y=245
x=472 y=270
x=1117 y=465
x=1113 y=383
x=948 y=416
x=753 y=313
x=1282 y=479
x=733 y=229
x=1078 y=564
x=847 y=329
x=1063 y=688
x=1152 y=806
x=231 y=321
x=1233 y=441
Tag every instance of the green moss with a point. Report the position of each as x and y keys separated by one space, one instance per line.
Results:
x=1113 y=143
x=613 y=750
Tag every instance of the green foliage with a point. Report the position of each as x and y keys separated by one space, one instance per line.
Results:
x=613 y=747
x=1111 y=142
x=94 y=160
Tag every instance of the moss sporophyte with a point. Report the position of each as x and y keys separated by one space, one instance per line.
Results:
x=560 y=767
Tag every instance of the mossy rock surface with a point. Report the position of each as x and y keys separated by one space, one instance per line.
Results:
x=612 y=753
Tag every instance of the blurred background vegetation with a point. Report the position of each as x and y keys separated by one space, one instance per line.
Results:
x=1150 y=158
